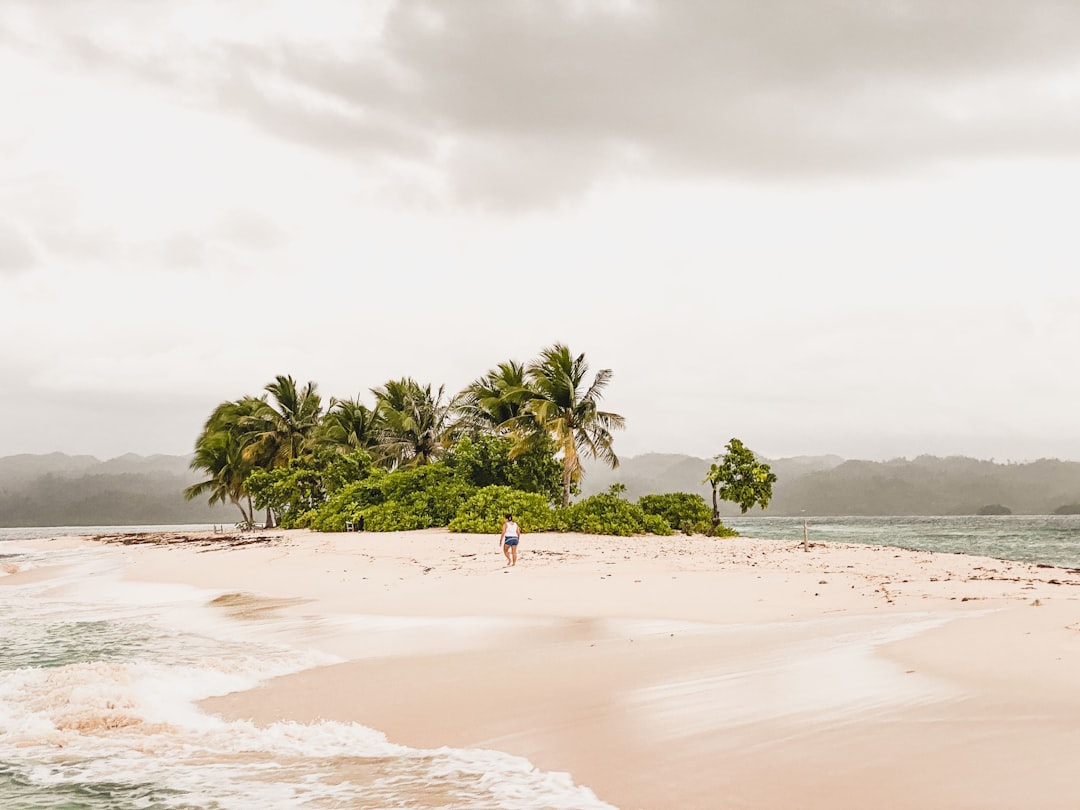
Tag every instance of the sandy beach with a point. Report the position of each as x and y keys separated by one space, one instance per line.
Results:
x=672 y=672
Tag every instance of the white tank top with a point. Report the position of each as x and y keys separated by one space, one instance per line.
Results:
x=511 y=529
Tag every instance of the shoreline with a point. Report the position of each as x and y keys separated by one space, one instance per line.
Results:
x=672 y=671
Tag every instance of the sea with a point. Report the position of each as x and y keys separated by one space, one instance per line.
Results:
x=1041 y=539
x=100 y=679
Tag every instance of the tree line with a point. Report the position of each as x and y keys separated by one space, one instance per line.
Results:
x=514 y=439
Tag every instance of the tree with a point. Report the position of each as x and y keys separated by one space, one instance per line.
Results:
x=739 y=477
x=284 y=430
x=292 y=492
x=219 y=452
x=561 y=407
x=493 y=401
x=417 y=426
x=488 y=460
x=349 y=425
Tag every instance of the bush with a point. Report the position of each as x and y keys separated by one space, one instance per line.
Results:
x=485 y=461
x=607 y=514
x=723 y=531
x=684 y=511
x=483 y=513
x=394 y=516
x=414 y=498
x=347 y=503
x=293 y=492
x=657 y=524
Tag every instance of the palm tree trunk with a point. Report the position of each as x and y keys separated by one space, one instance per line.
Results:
x=715 y=512
x=566 y=485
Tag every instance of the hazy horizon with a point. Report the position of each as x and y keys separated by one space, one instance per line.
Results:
x=593 y=464
x=823 y=228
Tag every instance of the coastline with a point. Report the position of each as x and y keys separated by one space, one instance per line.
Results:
x=684 y=672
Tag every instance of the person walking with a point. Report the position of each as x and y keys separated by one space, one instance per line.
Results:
x=511 y=534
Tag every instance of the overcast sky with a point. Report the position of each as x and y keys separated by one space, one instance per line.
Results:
x=821 y=226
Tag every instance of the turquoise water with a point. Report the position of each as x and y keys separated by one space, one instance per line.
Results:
x=1046 y=539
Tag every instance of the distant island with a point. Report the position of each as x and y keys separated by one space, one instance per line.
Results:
x=56 y=489
x=831 y=485
x=64 y=490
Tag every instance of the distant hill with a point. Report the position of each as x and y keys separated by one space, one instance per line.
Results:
x=654 y=473
x=929 y=485
x=61 y=490
x=830 y=485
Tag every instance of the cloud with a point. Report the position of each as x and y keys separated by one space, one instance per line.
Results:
x=525 y=102
x=17 y=253
x=249 y=230
x=540 y=99
x=236 y=233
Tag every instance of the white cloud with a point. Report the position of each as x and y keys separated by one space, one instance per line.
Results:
x=843 y=229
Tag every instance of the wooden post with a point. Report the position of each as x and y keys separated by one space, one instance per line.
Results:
x=805 y=537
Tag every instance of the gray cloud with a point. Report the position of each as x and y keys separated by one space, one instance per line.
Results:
x=183 y=251
x=751 y=87
x=243 y=231
x=16 y=251
x=528 y=101
x=249 y=230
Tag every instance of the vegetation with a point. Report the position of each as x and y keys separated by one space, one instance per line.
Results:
x=560 y=407
x=513 y=440
x=994 y=509
x=740 y=478
x=682 y=511
x=484 y=511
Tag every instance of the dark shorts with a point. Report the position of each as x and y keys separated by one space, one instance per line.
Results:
x=511 y=541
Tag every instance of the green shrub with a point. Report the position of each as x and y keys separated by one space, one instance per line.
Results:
x=394 y=516
x=486 y=460
x=724 y=531
x=413 y=498
x=657 y=524
x=293 y=491
x=687 y=512
x=347 y=503
x=484 y=512
x=605 y=514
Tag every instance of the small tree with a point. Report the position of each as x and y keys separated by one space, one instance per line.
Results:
x=740 y=478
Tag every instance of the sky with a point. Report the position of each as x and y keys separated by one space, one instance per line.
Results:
x=820 y=226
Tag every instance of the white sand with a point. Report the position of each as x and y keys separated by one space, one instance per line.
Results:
x=676 y=672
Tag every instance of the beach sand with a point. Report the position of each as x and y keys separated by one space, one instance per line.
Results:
x=675 y=672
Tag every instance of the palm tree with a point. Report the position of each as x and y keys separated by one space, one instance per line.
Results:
x=493 y=401
x=280 y=432
x=219 y=452
x=416 y=425
x=561 y=407
x=350 y=425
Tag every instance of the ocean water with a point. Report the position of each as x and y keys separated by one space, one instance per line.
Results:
x=1046 y=539
x=99 y=680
